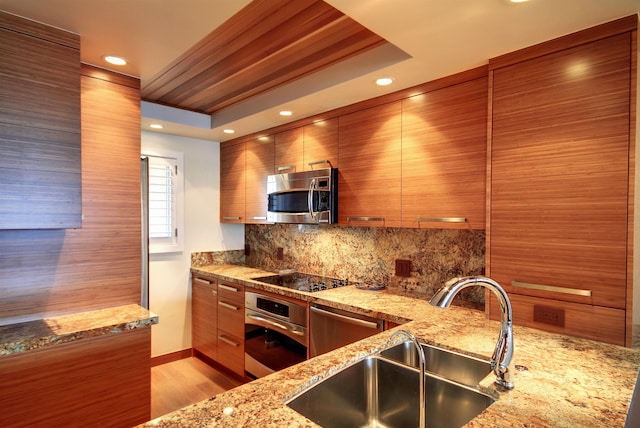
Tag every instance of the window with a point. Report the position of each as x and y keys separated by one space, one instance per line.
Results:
x=165 y=202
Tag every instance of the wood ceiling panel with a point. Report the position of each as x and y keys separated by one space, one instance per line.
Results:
x=267 y=44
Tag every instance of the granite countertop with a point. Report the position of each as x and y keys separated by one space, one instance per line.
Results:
x=46 y=332
x=560 y=381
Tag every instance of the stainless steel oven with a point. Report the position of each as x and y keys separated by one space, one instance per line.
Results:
x=275 y=334
x=303 y=197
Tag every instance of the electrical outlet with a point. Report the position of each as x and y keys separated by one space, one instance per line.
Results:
x=280 y=253
x=547 y=315
x=403 y=268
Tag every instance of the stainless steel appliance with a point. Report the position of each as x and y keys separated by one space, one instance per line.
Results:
x=303 y=197
x=303 y=281
x=275 y=334
x=332 y=328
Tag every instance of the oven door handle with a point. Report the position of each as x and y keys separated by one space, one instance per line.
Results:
x=274 y=324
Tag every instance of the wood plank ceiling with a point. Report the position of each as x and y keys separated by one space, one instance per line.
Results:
x=267 y=44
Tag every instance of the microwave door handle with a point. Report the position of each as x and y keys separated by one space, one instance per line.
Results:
x=312 y=186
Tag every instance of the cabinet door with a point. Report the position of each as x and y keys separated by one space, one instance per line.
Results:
x=232 y=183
x=444 y=157
x=40 y=175
x=260 y=164
x=560 y=174
x=288 y=151
x=321 y=144
x=369 y=174
x=204 y=316
x=231 y=327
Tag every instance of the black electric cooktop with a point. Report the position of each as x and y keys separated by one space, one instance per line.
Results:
x=303 y=281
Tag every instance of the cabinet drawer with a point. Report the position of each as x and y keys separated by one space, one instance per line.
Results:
x=231 y=352
x=231 y=292
x=573 y=319
x=231 y=317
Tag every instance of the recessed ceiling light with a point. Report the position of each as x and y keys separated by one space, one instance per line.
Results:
x=115 y=60
x=286 y=113
x=156 y=126
x=228 y=131
x=384 y=81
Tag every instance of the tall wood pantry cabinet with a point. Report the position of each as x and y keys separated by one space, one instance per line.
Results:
x=562 y=150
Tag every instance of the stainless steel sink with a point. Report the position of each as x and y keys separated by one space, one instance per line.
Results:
x=448 y=364
x=376 y=392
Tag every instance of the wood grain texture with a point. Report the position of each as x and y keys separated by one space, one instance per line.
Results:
x=260 y=158
x=631 y=223
x=204 y=316
x=265 y=45
x=444 y=156
x=370 y=166
x=40 y=171
x=231 y=327
x=321 y=143
x=51 y=272
x=232 y=183
x=102 y=381
x=560 y=173
x=289 y=151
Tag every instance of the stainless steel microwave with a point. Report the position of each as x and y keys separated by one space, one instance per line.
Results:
x=303 y=197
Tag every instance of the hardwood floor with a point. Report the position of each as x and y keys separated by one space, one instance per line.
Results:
x=183 y=382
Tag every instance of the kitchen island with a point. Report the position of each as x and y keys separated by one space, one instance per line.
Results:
x=560 y=381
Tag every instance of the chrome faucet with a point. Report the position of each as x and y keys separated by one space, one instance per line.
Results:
x=423 y=386
x=502 y=355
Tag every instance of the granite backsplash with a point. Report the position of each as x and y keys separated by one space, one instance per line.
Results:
x=363 y=254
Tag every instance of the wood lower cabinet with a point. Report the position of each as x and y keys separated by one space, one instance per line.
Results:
x=560 y=188
x=370 y=167
x=40 y=165
x=204 y=315
x=444 y=147
x=231 y=326
x=99 y=381
x=232 y=183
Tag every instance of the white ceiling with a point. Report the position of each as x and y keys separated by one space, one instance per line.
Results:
x=442 y=37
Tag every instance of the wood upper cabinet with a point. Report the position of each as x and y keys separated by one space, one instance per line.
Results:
x=260 y=164
x=40 y=175
x=560 y=183
x=204 y=315
x=369 y=174
x=289 y=151
x=232 y=183
x=444 y=157
x=321 y=144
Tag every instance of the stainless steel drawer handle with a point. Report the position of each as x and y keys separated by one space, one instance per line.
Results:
x=320 y=162
x=258 y=218
x=202 y=280
x=227 y=288
x=231 y=217
x=365 y=218
x=228 y=306
x=286 y=167
x=552 y=288
x=228 y=341
x=441 y=219
x=275 y=324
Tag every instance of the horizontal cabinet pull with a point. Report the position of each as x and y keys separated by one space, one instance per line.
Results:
x=202 y=280
x=228 y=306
x=258 y=218
x=231 y=218
x=320 y=162
x=228 y=288
x=228 y=341
x=365 y=218
x=286 y=167
x=441 y=219
x=552 y=288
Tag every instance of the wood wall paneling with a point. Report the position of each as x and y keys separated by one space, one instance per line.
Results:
x=50 y=272
x=40 y=171
x=232 y=183
x=444 y=156
x=260 y=158
x=370 y=163
x=100 y=381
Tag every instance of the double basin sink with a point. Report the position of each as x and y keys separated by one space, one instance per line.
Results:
x=383 y=390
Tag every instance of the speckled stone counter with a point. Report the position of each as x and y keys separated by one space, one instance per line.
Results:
x=48 y=332
x=560 y=381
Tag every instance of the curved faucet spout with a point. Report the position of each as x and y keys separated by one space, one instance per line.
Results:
x=503 y=353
